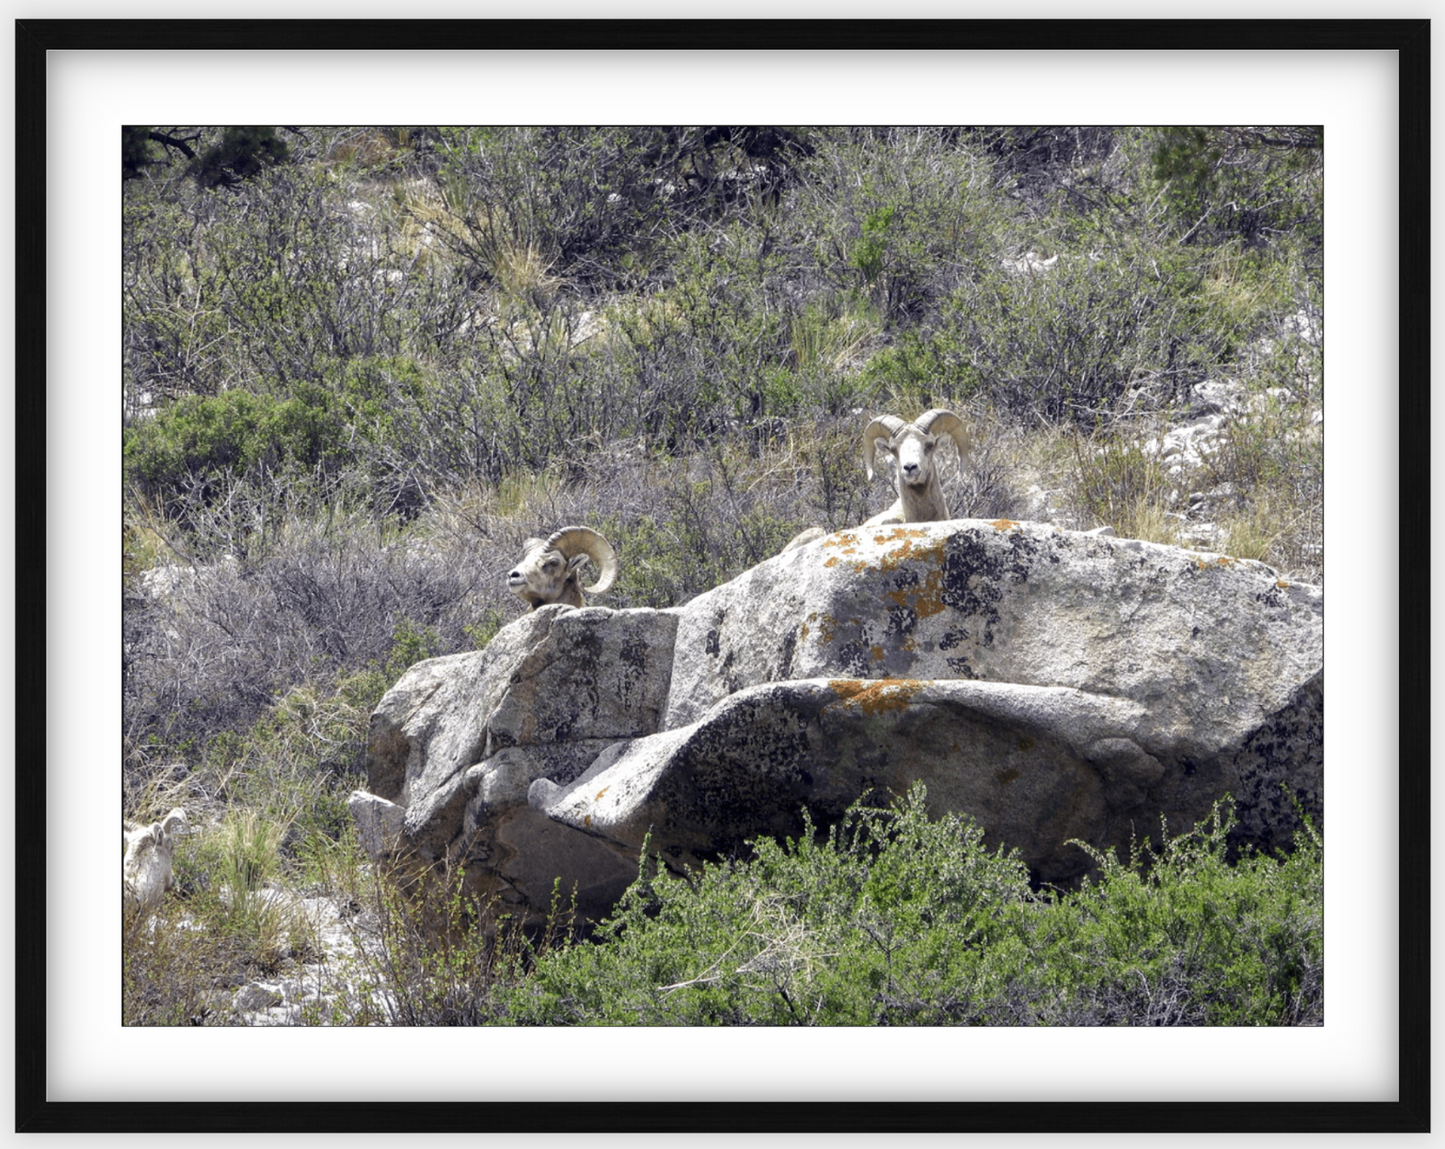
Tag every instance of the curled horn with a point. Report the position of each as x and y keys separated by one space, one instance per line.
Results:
x=883 y=427
x=574 y=541
x=938 y=422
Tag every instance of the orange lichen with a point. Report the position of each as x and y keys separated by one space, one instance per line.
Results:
x=900 y=534
x=1282 y=584
x=876 y=696
x=1225 y=561
x=917 y=546
x=601 y=792
x=1003 y=524
x=925 y=599
x=827 y=629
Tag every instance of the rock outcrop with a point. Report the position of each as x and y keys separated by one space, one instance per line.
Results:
x=1053 y=685
x=458 y=741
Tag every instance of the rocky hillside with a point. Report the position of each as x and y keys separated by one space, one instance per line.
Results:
x=362 y=365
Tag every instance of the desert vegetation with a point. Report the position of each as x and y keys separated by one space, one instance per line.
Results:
x=361 y=366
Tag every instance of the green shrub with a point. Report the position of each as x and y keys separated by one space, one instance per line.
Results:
x=1187 y=936
x=893 y=918
x=1116 y=483
x=189 y=449
x=879 y=921
x=897 y=214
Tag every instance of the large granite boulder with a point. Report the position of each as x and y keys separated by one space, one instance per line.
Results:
x=1053 y=685
x=457 y=741
x=1029 y=762
x=1207 y=644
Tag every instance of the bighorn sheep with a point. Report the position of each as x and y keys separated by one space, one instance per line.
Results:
x=550 y=570
x=146 y=869
x=920 y=489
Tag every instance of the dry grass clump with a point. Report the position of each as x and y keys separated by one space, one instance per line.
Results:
x=226 y=923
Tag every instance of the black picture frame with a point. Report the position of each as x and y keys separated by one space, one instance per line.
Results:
x=1411 y=1113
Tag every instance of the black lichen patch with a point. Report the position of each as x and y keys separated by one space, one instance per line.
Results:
x=633 y=652
x=588 y=640
x=1281 y=764
x=901 y=621
x=1273 y=596
x=632 y=660
x=974 y=572
x=856 y=659
x=745 y=775
x=713 y=643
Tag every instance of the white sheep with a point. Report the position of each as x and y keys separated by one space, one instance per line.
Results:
x=550 y=569
x=912 y=445
x=146 y=872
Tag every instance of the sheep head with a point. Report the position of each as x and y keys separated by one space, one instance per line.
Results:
x=912 y=444
x=146 y=871
x=550 y=569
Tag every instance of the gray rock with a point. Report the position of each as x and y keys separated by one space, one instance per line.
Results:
x=427 y=726
x=456 y=744
x=555 y=676
x=257 y=996
x=1217 y=396
x=1208 y=644
x=378 y=823
x=1036 y=766
x=1053 y=685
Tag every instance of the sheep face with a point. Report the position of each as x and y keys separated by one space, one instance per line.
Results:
x=546 y=575
x=913 y=451
x=550 y=569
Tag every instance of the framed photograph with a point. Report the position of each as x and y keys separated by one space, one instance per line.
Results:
x=1364 y=1070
